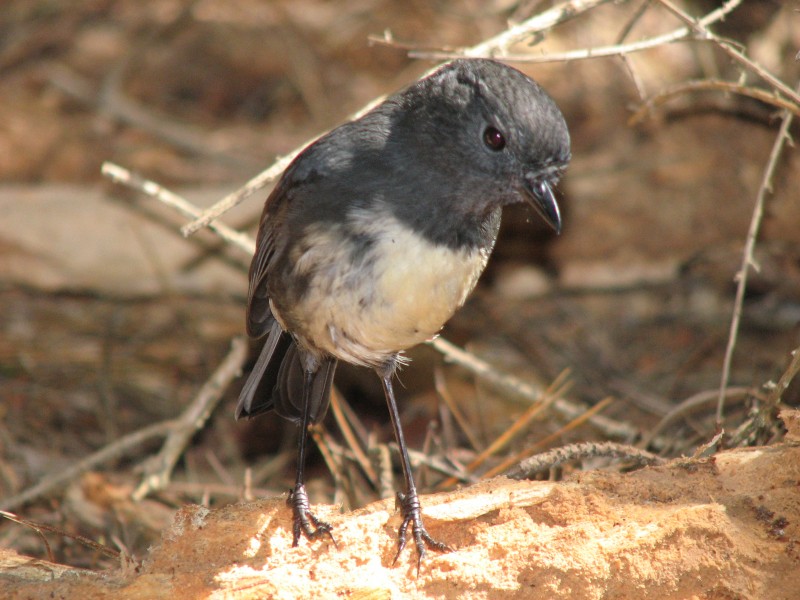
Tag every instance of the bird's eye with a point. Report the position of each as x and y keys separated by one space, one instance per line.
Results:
x=493 y=139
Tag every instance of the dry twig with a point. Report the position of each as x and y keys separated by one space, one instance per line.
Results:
x=681 y=34
x=523 y=391
x=762 y=422
x=776 y=390
x=555 y=391
x=748 y=259
x=692 y=404
x=732 y=51
x=351 y=438
x=575 y=423
x=128 y=443
x=128 y=178
x=40 y=527
x=711 y=84
x=159 y=469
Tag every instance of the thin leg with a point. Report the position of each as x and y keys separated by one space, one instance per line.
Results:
x=303 y=521
x=407 y=500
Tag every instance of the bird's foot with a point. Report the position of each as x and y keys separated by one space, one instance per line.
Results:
x=303 y=520
x=412 y=515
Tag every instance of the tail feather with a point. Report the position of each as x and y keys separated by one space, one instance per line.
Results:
x=256 y=396
x=288 y=396
x=276 y=381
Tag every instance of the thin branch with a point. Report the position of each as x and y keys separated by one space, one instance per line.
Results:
x=125 y=177
x=350 y=437
x=732 y=51
x=525 y=393
x=440 y=385
x=159 y=468
x=36 y=529
x=556 y=390
x=691 y=405
x=748 y=258
x=560 y=13
x=40 y=527
x=206 y=218
x=711 y=84
x=128 y=443
x=681 y=34
x=776 y=390
x=543 y=443
x=625 y=58
x=434 y=463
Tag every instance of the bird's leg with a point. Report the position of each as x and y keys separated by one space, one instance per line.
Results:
x=303 y=521
x=408 y=500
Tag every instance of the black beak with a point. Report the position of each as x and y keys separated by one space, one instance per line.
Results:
x=541 y=197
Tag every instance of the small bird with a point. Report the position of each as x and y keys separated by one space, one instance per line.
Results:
x=376 y=234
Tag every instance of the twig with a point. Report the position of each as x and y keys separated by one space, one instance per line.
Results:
x=625 y=58
x=434 y=463
x=524 y=392
x=123 y=176
x=441 y=389
x=491 y=47
x=560 y=13
x=350 y=437
x=556 y=389
x=764 y=418
x=558 y=456
x=159 y=468
x=677 y=35
x=206 y=217
x=776 y=390
x=331 y=451
x=131 y=442
x=39 y=527
x=690 y=405
x=38 y=530
x=543 y=443
x=732 y=51
x=711 y=84
x=748 y=259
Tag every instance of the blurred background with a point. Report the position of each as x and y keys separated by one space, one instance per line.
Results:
x=110 y=321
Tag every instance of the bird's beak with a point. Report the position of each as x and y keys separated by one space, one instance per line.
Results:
x=540 y=196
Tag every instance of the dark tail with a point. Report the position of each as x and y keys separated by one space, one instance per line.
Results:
x=276 y=382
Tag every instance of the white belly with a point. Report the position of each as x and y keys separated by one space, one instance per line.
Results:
x=400 y=293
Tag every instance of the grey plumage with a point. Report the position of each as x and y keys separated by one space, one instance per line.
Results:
x=378 y=231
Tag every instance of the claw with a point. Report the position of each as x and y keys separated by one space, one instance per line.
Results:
x=410 y=509
x=303 y=520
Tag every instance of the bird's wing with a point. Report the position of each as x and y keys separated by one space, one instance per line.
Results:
x=259 y=316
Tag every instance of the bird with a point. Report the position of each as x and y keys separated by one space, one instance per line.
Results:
x=377 y=232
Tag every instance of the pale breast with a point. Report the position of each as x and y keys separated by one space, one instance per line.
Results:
x=365 y=303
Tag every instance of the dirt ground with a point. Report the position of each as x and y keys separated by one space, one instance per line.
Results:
x=111 y=322
x=719 y=527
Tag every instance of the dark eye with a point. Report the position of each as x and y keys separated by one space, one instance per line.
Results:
x=493 y=139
